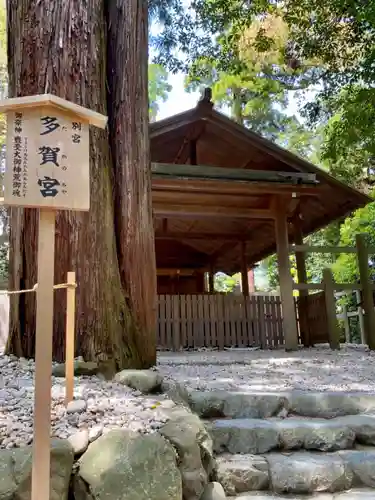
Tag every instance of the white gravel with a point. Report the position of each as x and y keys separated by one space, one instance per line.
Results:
x=317 y=369
x=98 y=407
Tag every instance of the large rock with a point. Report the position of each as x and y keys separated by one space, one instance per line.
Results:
x=362 y=464
x=80 y=368
x=145 y=381
x=252 y=436
x=176 y=392
x=319 y=435
x=16 y=469
x=242 y=473
x=309 y=472
x=217 y=404
x=123 y=465
x=189 y=437
x=362 y=425
x=329 y=404
x=79 y=441
x=213 y=491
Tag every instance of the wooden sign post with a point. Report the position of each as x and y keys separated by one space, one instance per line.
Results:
x=47 y=167
x=69 y=337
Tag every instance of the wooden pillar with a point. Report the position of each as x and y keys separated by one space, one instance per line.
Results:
x=244 y=277
x=251 y=280
x=285 y=277
x=333 y=327
x=367 y=295
x=211 y=280
x=200 y=282
x=302 y=278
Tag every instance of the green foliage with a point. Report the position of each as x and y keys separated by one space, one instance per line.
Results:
x=363 y=221
x=224 y=283
x=350 y=137
x=158 y=88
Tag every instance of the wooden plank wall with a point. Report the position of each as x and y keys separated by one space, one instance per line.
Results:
x=191 y=321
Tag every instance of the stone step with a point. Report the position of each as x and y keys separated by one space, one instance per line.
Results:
x=259 y=436
x=221 y=404
x=298 y=473
x=357 y=494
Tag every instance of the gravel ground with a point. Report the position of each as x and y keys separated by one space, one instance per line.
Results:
x=99 y=406
x=317 y=369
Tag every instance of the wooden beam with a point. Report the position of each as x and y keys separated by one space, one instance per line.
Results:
x=221 y=251
x=218 y=187
x=212 y=199
x=285 y=277
x=179 y=235
x=199 y=211
x=163 y=271
x=317 y=249
x=234 y=174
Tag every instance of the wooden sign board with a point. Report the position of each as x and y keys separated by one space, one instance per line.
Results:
x=47 y=167
x=47 y=164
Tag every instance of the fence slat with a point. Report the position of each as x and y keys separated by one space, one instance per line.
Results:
x=189 y=321
x=176 y=322
x=219 y=311
x=208 y=342
x=254 y=319
x=168 y=317
x=183 y=327
x=262 y=325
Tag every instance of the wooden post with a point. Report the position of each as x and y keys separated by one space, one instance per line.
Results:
x=285 y=277
x=46 y=132
x=43 y=356
x=367 y=296
x=360 y=316
x=251 y=280
x=302 y=278
x=244 y=277
x=345 y=319
x=211 y=280
x=333 y=327
x=69 y=339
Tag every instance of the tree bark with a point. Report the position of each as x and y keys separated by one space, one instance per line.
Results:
x=128 y=116
x=62 y=49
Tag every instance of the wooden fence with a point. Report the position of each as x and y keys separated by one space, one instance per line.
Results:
x=329 y=287
x=190 y=321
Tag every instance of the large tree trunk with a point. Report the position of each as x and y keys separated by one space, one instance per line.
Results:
x=62 y=49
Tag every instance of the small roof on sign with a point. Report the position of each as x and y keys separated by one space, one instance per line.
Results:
x=35 y=101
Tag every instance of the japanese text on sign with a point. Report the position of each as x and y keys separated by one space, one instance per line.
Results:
x=49 y=158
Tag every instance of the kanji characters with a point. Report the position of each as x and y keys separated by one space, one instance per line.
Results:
x=50 y=124
x=48 y=186
x=49 y=155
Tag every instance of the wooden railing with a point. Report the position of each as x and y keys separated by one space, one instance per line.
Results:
x=191 y=321
x=329 y=287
